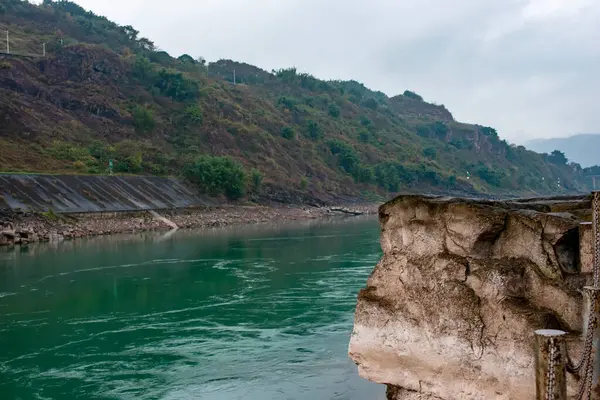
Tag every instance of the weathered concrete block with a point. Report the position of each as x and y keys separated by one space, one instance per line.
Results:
x=451 y=309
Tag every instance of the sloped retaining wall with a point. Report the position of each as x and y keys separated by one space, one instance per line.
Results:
x=85 y=194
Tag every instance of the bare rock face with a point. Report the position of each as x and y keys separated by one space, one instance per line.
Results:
x=450 y=310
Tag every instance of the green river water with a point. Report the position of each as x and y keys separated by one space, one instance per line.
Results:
x=253 y=313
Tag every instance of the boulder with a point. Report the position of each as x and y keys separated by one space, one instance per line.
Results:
x=450 y=310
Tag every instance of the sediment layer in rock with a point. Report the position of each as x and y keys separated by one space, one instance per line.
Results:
x=450 y=310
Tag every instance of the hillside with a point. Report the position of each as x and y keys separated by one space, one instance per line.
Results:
x=102 y=92
x=582 y=148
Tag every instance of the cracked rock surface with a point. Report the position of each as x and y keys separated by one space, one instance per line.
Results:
x=450 y=310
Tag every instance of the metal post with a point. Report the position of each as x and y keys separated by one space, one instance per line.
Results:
x=44 y=49
x=550 y=365
x=7 y=43
x=234 y=76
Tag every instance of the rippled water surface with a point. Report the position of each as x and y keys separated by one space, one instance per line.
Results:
x=249 y=313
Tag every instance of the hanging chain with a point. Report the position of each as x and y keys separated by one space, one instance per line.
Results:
x=596 y=234
x=551 y=373
x=586 y=364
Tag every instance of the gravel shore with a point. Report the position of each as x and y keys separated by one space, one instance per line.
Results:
x=21 y=228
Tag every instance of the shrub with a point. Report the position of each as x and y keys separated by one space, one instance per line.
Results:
x=304 y=183
x=217 y=175
x=79 y=165
x=334 y=110
x=142 y=69
x=256 y=179
x=143 y=119
x=128 y=156
x=313 y=130
x=173 y=84
x=365 y=121
x=193 y=115
x=364 y=136
x=430 y=152
x=288 y=132
x=65 y=151
x=371 y=103
x=287 y=103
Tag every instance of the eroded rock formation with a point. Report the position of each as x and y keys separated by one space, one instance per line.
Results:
x=450 y=310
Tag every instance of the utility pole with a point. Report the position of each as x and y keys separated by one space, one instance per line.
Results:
x=7 y=43
x=234 y=76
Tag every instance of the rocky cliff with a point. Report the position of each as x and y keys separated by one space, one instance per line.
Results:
x=450 y=310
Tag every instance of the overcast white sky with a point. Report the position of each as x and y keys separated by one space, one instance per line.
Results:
x=529 y=68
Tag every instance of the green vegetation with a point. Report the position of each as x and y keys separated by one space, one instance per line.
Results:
x=119 y=98
x=143 y=119
x=256 y=179
x=287 y=132
x=217 y=175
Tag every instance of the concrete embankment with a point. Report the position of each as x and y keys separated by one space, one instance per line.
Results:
x=37 y=208
x=80 y=194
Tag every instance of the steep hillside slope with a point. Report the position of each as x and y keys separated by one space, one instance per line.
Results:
x=583 y=149
x=103 y=93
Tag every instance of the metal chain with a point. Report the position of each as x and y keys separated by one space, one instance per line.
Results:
x=587 y=363
x=551 y=374
x=596 y=233
x=587 y=347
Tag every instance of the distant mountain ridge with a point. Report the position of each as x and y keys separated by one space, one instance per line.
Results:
x=583 y=149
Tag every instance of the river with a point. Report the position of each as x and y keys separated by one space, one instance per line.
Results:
x=252 y=313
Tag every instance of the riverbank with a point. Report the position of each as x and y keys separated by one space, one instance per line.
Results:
x=21 y=228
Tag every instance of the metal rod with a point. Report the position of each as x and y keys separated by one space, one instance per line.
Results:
x=550 y=365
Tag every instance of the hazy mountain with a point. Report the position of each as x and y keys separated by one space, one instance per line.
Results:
x=103 y=93
x=583 y=148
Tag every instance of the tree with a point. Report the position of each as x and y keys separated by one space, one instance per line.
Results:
x=146 y=44
x=334 y=110
x=143 y=119
x=186 y=59
x=412 y=95
x=314 y=130
x=558 y=157
x=130 y=32
x=176 y=86
x=288 y=132
x=142 y=69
